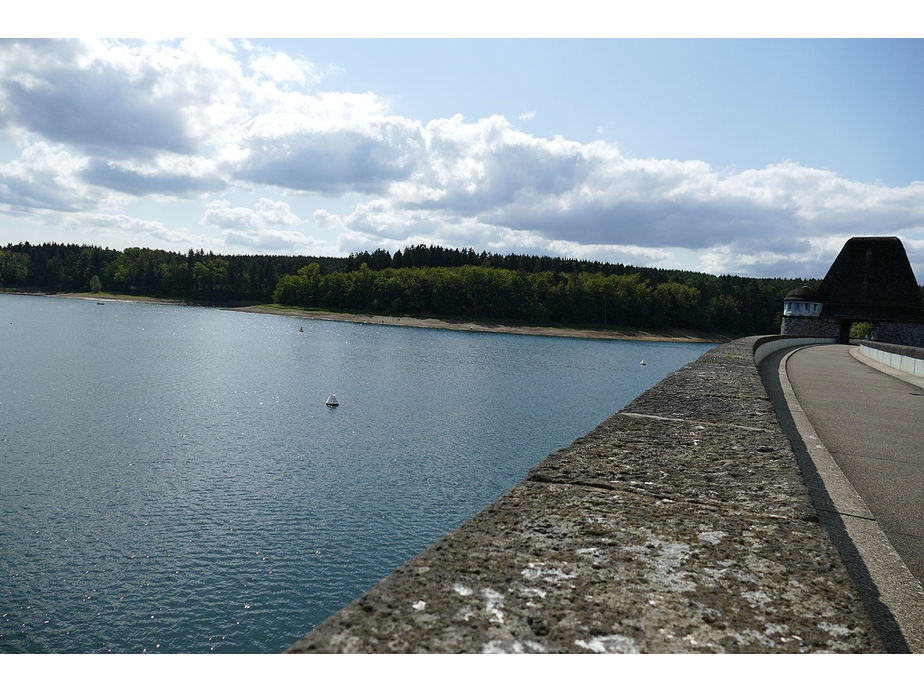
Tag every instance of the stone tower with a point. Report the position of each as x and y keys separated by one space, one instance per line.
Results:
x=871 y=280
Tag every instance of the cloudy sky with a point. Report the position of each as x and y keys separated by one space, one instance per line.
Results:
x=752 y=157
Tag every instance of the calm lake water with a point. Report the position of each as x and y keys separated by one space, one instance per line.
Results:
x=171 y=481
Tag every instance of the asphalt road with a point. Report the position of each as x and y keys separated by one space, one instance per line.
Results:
x=872 y=424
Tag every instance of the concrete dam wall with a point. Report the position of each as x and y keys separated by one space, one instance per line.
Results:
x=680 y=524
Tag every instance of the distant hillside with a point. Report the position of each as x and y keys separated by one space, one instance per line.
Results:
x=427 y=280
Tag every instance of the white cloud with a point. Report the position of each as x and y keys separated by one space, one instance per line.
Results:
x=106 y=230
x=331 y=162
x=123 y=222
x=92 y=98
x=279 y=68
x=276 y=212
x=98 y=124
x=47 y=176
x=165 y=175
x=267 y=214
x=325 y=219
x=219 y=213
x=276 y=241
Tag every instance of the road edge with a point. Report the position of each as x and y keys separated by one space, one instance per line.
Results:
x=892 y=594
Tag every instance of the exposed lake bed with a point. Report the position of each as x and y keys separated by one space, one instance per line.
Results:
x=443 y=323
x=172 y=480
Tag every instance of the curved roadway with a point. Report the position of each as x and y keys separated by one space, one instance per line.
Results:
x=858 y=428
x=873 y=426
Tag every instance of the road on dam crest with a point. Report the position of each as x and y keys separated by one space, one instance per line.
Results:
x=873 y=426
x=856 y=428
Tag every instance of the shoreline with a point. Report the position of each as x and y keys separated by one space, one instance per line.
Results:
x=473 y=326
x=406 y=321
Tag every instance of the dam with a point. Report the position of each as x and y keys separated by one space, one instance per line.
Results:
x=699 y=518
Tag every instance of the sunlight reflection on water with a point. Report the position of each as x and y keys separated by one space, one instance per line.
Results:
x=172 y=481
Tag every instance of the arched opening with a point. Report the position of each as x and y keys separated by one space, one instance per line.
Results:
x=864 y=329
x=844 y=332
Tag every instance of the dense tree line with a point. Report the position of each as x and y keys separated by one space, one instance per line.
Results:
x=703 y=302
x=418 y=280
x=196 y=275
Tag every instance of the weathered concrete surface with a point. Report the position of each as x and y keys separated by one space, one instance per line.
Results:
x=681 y=524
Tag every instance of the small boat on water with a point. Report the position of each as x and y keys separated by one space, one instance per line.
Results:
x=332 y=401
x=643 y=363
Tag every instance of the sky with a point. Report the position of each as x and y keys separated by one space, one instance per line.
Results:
x=756 y=157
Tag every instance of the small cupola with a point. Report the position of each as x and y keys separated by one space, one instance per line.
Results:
x=803 y=302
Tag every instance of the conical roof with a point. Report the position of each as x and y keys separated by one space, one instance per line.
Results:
x=804 y=293
x=871 y=279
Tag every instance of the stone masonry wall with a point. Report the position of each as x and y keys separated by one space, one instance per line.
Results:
x=904 y=333
x=680 y=524
x=814 y=327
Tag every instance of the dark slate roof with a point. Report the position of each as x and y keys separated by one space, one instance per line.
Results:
x=804 y=293
x=871 y=279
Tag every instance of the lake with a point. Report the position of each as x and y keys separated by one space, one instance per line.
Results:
x=171 y=481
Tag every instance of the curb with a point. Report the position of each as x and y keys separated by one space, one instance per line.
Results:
x=893 y=595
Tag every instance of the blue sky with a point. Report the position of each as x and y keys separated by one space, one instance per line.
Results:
x=844 y=105
x=753 y=157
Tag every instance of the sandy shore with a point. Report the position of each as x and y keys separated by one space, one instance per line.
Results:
x=104 y=298
x=470 y=326
x=433 y=323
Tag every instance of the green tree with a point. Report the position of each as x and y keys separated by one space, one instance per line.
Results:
x=724 y=313
x=14 y=268
x=859 y=330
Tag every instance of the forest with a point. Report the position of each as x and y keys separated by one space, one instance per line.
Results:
x=420 y=280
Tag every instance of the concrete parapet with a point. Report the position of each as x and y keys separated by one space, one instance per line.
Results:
x=903 y=358
x=680 y=524
x=764 y=346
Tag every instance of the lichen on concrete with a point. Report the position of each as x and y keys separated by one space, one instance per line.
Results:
x=680 y=524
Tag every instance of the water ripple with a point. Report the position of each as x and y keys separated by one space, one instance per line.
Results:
x=172 y=481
